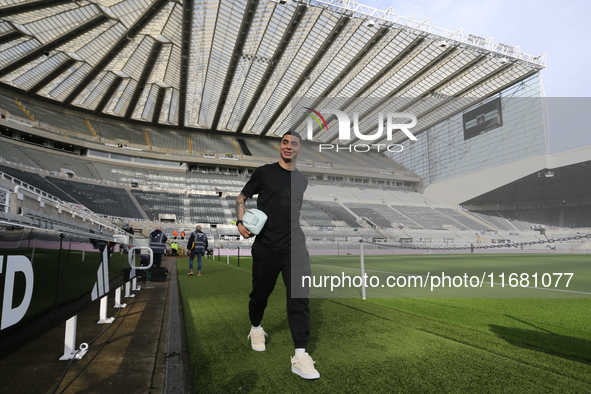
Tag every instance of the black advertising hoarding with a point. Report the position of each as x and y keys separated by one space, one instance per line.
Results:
x=486 y=117
x=47 y=277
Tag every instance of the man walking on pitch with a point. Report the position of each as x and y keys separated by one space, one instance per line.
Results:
x=197 y=245
x=280 y=247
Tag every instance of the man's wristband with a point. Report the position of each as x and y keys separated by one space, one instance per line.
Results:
x=239 y=222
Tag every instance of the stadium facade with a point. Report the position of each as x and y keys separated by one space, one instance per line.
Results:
x=142 y=117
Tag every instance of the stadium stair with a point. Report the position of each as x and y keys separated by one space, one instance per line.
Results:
x=216 y=241
x=187 y=208
x=138 y=205
x=386 y=235
x=403 y=215
x=360 y=221
x=21 y=106
x=74 y=200
x=91 y=128
x=228 y=213
x=478 y=219
x=509 y=221
x=456 y=225
x=147 y=178
x=488 y=223
x=93 y=170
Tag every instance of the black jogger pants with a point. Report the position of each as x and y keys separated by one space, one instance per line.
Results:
x=266 y=267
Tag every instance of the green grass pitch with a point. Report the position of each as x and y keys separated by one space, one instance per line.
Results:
x=393 y=345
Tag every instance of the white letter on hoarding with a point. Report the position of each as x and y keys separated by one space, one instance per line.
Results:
x=328 y=146
x=10 y=315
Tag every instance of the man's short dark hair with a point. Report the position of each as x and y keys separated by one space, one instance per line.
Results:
x=294 y=133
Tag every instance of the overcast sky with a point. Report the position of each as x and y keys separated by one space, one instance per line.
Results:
x=561 y=29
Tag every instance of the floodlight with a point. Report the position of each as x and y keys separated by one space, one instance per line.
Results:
x=370 y=23
x=443 y=44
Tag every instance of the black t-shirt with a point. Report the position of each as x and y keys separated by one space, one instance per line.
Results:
x=280 y=195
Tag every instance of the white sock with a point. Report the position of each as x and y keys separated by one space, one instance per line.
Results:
x=256 y=328
x=300 y=350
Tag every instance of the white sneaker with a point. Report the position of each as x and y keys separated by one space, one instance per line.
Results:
x=303 y=365
x=257 y=339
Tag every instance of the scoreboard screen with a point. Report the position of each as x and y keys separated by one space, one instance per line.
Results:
x=482 y=119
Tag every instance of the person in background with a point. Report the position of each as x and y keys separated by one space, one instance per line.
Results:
x=158 y=245
x=175 y=234
x=197 y=245
x=127 y=228
x=175 y=248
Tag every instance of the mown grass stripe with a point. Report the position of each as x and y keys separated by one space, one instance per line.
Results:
x=360 y=346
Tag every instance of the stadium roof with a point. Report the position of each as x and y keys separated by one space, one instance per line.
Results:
x=569 y=183
x=565 y=177
x=234 y=66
